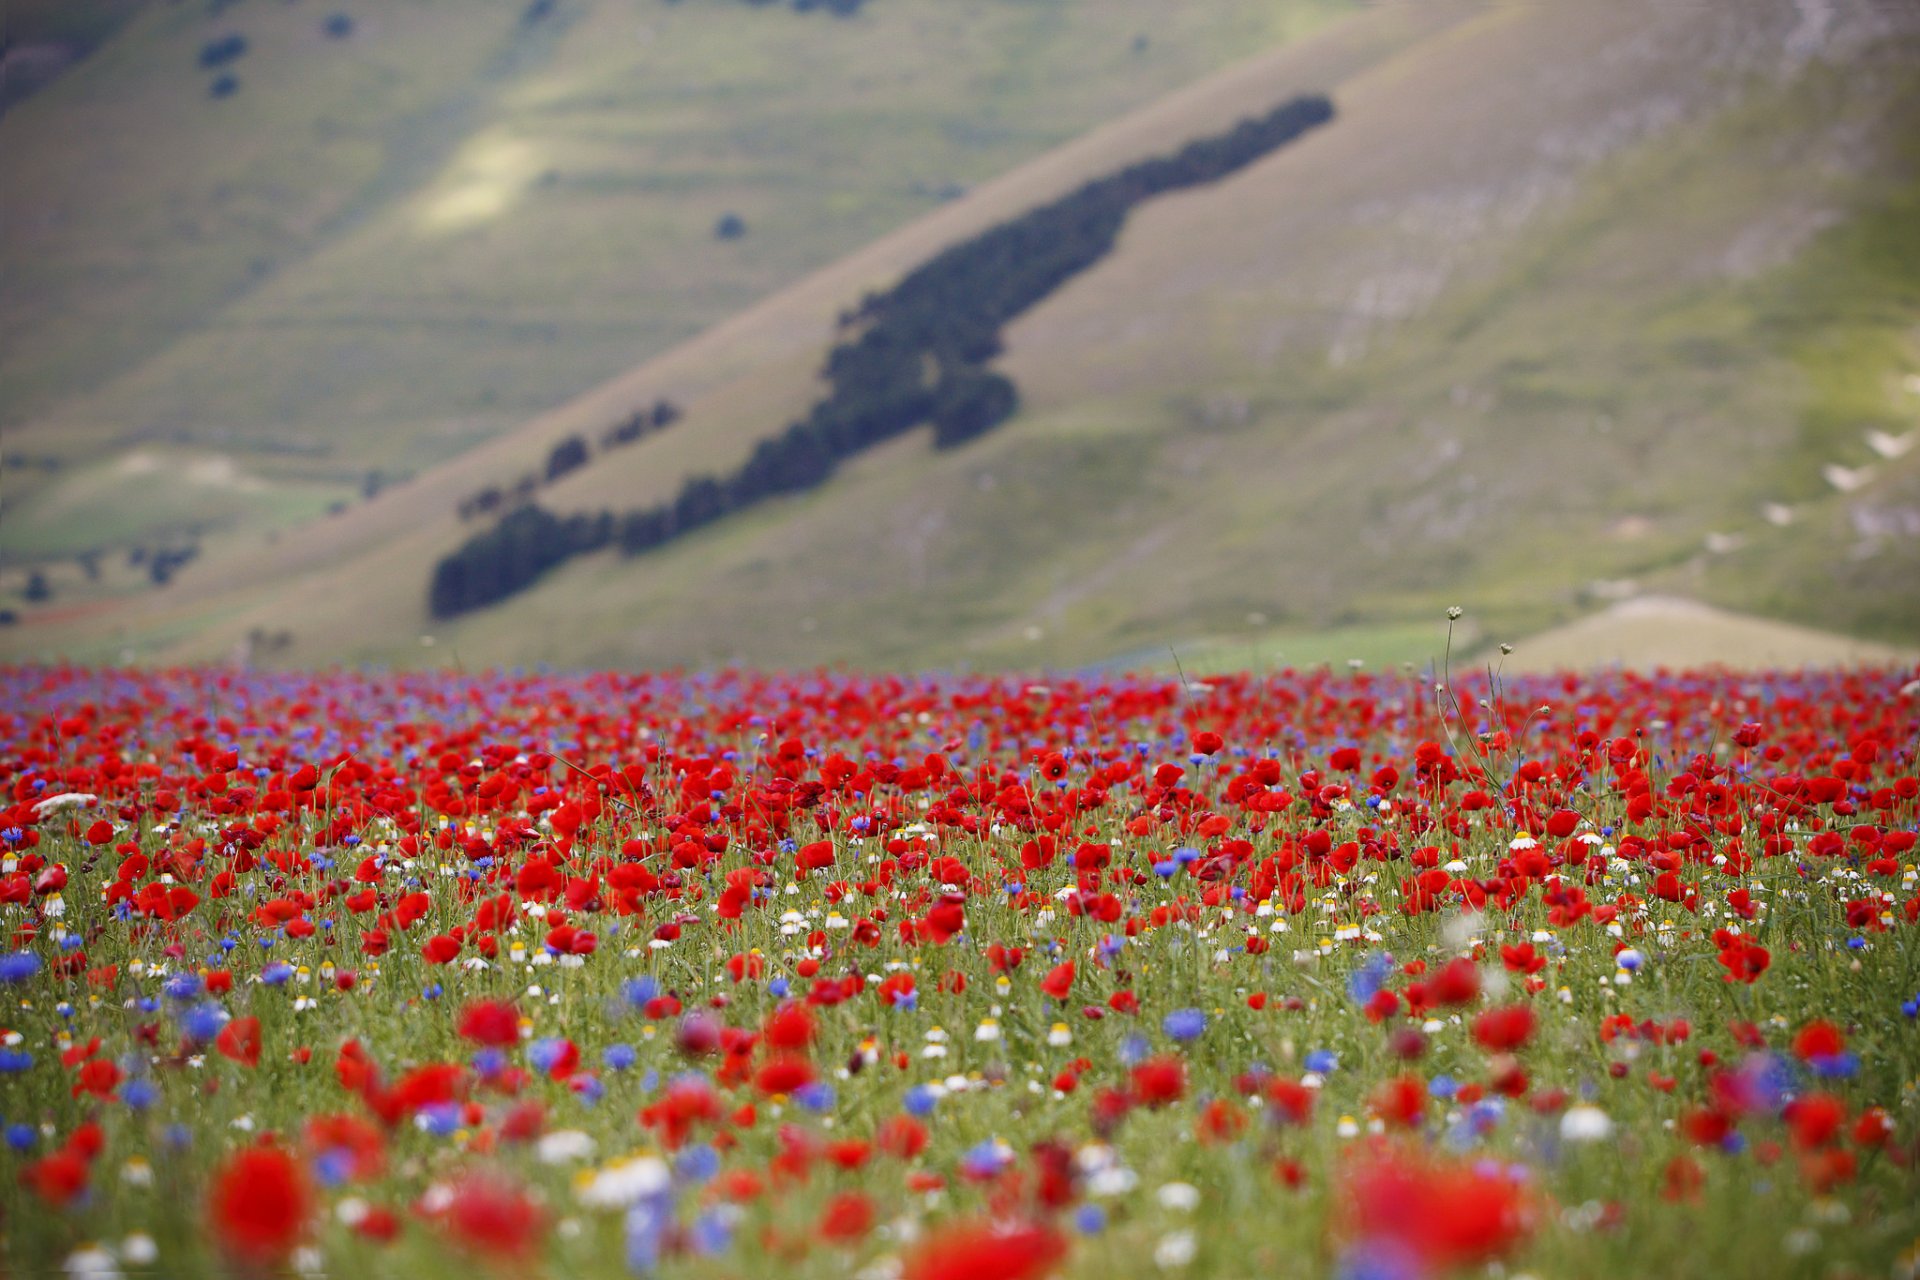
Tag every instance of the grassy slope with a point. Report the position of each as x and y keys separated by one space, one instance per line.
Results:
x=390 y=248
x=738 y=376
x=1511 y=326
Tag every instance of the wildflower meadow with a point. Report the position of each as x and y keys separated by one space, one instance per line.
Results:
x=1385 y=976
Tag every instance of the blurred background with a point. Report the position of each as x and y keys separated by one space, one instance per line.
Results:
x=959 y=333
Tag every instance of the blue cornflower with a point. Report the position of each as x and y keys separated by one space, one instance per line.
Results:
x=712 y=1231
x=1365 y=982
x=202 y=1022
x=619 y=1057
x=18 y=966
x=1184 y=1024
x=984 y=1159
x=697 y=1163
x=544 y=1053
x=1835 y=1066
x=441 y=1119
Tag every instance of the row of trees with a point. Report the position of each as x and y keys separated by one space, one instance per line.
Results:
x=567 y=456
x=508 y=557
x=917 y=353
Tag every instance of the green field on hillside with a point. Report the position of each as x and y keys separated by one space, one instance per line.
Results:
x=385 y=248
x=1544 y=319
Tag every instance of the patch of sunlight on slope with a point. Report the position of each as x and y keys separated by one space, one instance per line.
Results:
x=485 y=180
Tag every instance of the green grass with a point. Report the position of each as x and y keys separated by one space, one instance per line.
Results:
x=994 y=1050
x=149 y=497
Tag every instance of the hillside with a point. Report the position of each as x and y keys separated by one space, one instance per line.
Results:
x=409 y=227
x=1569 y=303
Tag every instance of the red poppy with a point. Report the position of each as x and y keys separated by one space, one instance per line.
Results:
x=1458 y=982
x=789 y=1027
x=1444 y=1214
x=489 y=1215
x=901 y=1136
x=1504 y=1030
x=58 y=1179
x=1401 y=1101
x=1158 y=1082
x=1819 y=1039
x=1744 y=961
x=259 y=1205
x=848 y=1217
x=976 y=1251
x=491 y=1022
x=240 y=1040
x=784 y=1075
x=1292 y=1101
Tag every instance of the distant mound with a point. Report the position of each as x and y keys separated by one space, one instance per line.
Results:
x=1667 y=631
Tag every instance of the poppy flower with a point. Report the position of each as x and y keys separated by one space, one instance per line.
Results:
x=790 y=1027
x=489 y=1215
x=240 y=1041
x=1816 y=1119
x=491 y=1022
x=1442 y=1214
x=787 y=1074
x=847 y=1218
x=979 y=1251
x=901 y=1136
x=259 y=1205
x=1292 y=1101
x=1400 y=1101
x=1457 y=983
x=58 y=1179
x=1744 y=961
x=1159 y=1082
x=1504 y=1030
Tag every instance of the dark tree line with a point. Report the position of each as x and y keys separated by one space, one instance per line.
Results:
x=917 y=353
x=493 y=565
x=569 y=455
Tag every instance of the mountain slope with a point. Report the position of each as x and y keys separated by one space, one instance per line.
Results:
x=1522 y=328
x=401 y=237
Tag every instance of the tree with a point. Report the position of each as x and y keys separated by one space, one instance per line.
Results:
x=969 y=404
x=569 y=455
